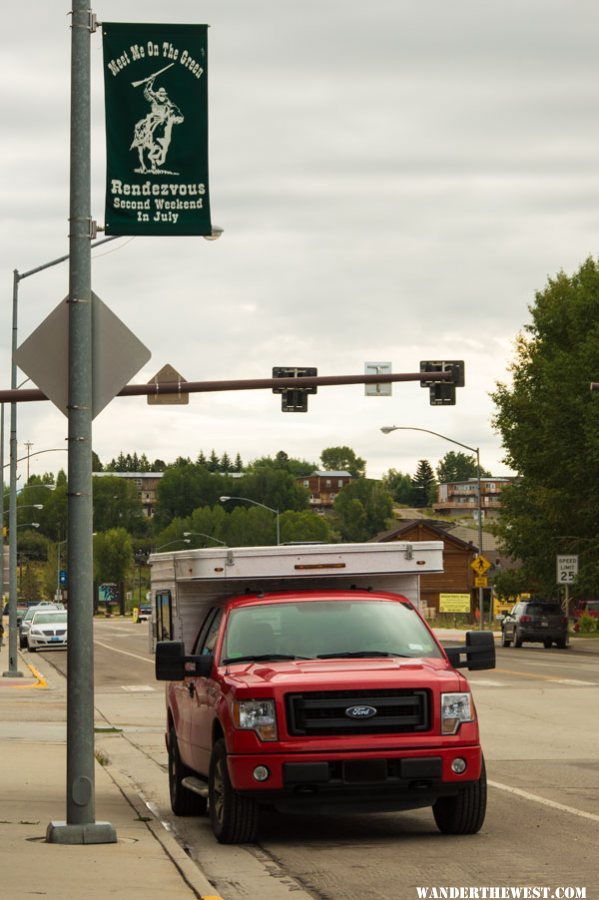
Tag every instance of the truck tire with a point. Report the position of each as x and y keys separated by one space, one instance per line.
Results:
x=234 y=817
x=505 y=640
x=183 y=802
x=465 y=813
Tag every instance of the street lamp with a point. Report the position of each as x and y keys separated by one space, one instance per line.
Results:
x=178 y=541
x=263 y=505
x=208 y=536
x=387 y=429
x=27 y=506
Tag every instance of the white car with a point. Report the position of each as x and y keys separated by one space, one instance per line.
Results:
x=48 y=629
x=25 y=622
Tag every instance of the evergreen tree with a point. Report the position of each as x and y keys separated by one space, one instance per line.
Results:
x=424 y=486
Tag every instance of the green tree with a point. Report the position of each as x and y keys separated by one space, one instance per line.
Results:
x=343 y=459
x=116 y=503
x=549 y=424
x=399 y=486
x=273 y=487
x=281 y=460
x=113 y=559
x=250 y=526
x=458 y=466
x=362 y=509
x=207 y=522
x=424 y=486
x=185 y=486
x=304 y=526
x=53 y=517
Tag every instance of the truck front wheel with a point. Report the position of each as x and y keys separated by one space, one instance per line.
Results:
x=465 y=813
x=183 y=801
x=234 y=817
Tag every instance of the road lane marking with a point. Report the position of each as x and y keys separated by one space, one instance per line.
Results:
x=552 y=678
x=137 y=688
x=553 y=804
x=487 y=682
x=124 y=652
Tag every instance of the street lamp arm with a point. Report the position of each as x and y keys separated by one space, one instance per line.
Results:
x=387 y=429
x=208 y=536
x=178 y=541
x=247 y=500
x=264 y=506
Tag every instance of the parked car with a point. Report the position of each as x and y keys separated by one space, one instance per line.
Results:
x=144 y=612
x=48 y=629
x=585 y=608
x=25 y=622
x=535 y=621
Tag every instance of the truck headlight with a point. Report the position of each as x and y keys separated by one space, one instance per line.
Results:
x=258 y=716
x=455 y=709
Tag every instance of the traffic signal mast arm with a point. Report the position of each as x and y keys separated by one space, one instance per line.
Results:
x=249 y=384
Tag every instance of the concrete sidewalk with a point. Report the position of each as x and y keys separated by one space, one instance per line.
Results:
x=146 y=861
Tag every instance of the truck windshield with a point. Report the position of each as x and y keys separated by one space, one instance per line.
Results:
x=326 y=629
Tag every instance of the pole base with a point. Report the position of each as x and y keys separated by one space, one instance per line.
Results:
x=88 y=833
x=15 y=674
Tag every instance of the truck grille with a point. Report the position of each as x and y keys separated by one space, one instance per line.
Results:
x=325 y=712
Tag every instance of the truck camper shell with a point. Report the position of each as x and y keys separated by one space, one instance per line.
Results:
x=187 y=582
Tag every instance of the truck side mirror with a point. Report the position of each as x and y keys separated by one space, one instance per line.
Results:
x=173 y=665
x=479 y=650
x=170 y=661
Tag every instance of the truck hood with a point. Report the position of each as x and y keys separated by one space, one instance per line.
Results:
x=320 y=674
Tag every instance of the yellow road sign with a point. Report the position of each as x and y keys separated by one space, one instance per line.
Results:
x=481 y=581
x=480 y=565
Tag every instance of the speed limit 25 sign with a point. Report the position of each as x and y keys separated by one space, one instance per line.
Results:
x=567 y=569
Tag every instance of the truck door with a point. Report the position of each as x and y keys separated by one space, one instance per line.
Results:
x=184 y=697
x=204 y=697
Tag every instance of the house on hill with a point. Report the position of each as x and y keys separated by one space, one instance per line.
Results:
x=324 y=487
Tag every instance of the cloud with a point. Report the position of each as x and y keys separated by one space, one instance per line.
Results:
x=393 y=184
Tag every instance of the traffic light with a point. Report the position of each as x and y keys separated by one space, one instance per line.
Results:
x=442 y=393
x=294 y=399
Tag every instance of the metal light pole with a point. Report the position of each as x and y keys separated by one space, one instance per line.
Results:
x=387 y=429
x=263 y=505
x=80 y=826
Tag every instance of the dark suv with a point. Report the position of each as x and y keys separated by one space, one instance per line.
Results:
x=535 y=621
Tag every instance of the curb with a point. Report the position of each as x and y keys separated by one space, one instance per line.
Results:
x=40 y=681
x=188 y=870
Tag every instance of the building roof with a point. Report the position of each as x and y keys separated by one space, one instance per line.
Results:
x=130 y=474
x=441 y=530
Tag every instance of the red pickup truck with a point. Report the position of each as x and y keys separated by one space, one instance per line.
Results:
x=323 y=699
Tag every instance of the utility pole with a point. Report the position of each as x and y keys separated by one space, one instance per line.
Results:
x=80 y=826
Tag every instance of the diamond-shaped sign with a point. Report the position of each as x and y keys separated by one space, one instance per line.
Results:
x=480 y=565
x=117 y=355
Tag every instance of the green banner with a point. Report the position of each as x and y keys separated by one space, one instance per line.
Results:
x=156 y=102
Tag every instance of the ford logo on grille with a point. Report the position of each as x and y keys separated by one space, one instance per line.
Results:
x=360 y=712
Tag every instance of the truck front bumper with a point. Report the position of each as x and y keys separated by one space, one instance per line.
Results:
x=374 y=781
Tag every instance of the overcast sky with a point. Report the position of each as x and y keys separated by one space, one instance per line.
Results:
x=395 y=180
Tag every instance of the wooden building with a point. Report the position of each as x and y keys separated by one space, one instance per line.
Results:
x=457 y=577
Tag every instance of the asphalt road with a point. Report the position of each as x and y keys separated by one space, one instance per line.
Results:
x=540 y=734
